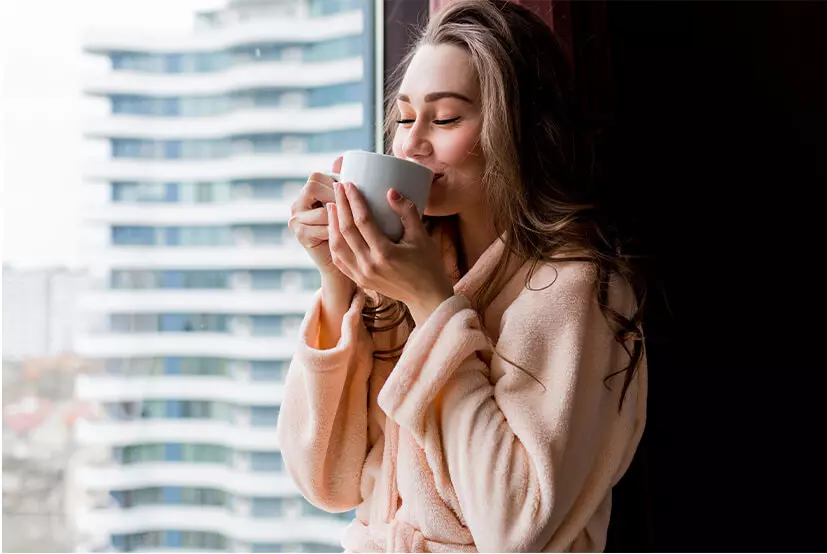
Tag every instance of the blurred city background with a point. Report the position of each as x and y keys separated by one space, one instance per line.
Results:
x=151 y=289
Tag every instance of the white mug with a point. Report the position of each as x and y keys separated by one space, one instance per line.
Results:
x=375 y=174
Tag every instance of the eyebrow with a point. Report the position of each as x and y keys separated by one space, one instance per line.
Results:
x=434 y=96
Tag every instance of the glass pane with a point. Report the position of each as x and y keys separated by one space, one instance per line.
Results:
x=265 y=461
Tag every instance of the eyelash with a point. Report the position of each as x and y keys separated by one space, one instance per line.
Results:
x=437 y=121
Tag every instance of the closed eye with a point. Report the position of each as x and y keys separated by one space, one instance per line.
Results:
x=436 y=121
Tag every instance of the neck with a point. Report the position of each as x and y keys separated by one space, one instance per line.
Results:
x=476 y=233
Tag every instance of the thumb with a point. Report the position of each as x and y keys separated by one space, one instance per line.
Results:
x=406 y=209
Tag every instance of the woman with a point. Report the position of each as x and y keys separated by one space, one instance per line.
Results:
x=480 y=385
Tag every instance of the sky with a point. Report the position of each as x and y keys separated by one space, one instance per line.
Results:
x=41 y=114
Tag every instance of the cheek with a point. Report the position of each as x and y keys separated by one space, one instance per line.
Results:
x=459 y=148
x=396 y=147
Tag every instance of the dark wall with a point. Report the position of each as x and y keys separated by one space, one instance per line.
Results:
x=717 y=162
x=711 y=120
x=403 y=18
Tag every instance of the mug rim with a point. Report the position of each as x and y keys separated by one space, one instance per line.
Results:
x=346 y=152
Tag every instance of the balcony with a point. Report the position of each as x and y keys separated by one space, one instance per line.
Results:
x=174 y=214
x=233 y=481
x=290 y=256
x=107 y=388
x=257 y=31
x=124 y=433
x=204 y=301
x=218 y=345
x=264 y=74
x=241 y=122
x=216 y=520
x=250 y=166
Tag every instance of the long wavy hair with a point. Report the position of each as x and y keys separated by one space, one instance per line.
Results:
x=536 y=180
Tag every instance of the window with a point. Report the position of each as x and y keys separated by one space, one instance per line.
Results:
x=264 y=416
x=335 y=94
x=328 y=7
x=268 y=234
x=133 y=366
x=138 y=542
x=193 y=323
x=336 y=49
x=133 y=323
x=196 y=409
x=267 y=325
x=170 y=149
x=262 y=188
x=176 y=236
x=294 y=144
x=172 y=452
x=266 y=547
x=122 y=411
x=266 y=461
x=294 y=99
x=311 y=279
x=154 y=409
x=272 y=370
x=202 y=540
x=267 y=507
x=133 y=236
x=203 y=497
x=292 y=54
x=205 y=453
x=141 y=453
x=173 y=63
x=319 y=547
x=337 y=141
x=187 y=279
x=263 y=143
x=203 y=366
x=133 y=279
x=262 y=98
x=144 y=192
x=206 y=236
x=308 y=509
x=266 y=278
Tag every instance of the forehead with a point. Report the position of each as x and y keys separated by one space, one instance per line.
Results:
x=440 y=68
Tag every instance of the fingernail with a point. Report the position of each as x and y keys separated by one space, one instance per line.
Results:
x=395 y=195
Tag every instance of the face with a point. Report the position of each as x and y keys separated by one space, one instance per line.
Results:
x=440 y=126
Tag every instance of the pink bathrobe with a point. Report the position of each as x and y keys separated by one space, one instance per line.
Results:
x=453 y=449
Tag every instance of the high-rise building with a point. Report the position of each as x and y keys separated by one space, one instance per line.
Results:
x=200 y=287
x=40 y=311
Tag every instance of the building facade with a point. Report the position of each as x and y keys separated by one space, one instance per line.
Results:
x=199 y=286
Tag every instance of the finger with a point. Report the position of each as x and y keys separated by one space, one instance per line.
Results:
x=406 y=209
x=372 y=234
x=337 y=165
x=340 y=251
x=316 y=216
x=347 y=226
x=311 y=236
x=318 y=189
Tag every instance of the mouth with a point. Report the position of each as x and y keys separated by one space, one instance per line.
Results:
x=437 y=177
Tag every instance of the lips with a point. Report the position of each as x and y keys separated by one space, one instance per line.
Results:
x=437 y=177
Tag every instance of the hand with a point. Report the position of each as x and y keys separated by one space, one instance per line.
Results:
x=309 y=221
x=410 y=271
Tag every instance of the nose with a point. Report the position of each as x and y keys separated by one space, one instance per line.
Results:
x=416 y=144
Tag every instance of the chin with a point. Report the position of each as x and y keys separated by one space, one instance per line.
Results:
x=439 y=211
